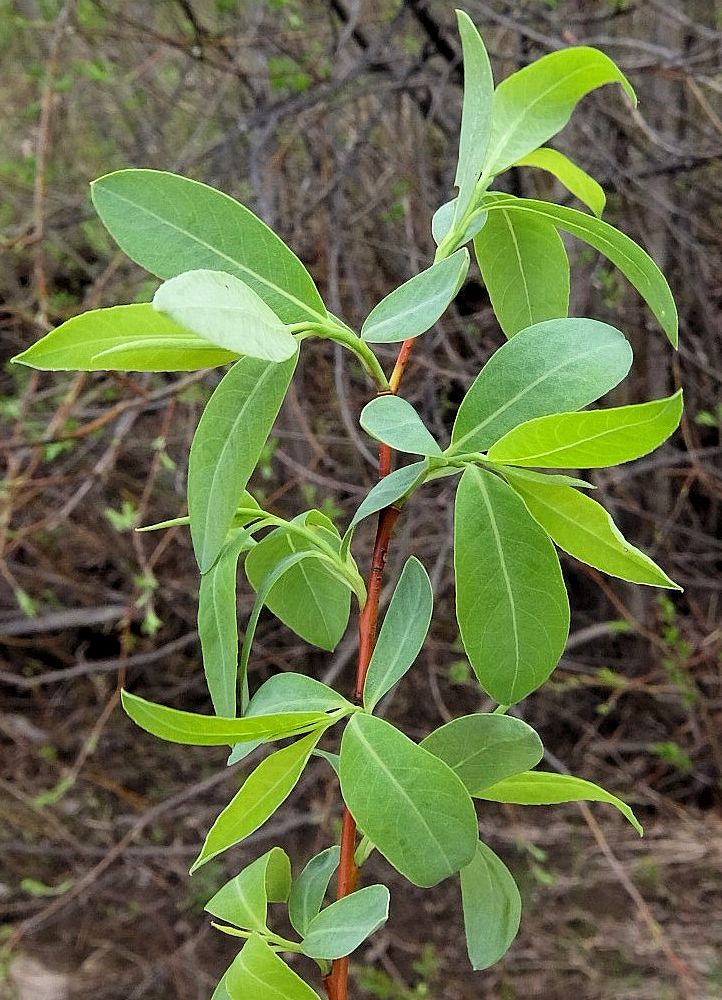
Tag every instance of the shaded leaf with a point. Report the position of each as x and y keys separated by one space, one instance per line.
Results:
x=339 y=929
x=393 y=420
x=309 y=889
x=492 y=908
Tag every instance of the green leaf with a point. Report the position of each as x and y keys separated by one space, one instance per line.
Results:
x=386 y=492
x=227 y=445
x=211 y=730
x=257 y=973
x=476 y=121
x=592 y=439
x=575 y=180
x=542 y=788
x=415 y=306
x=443 y=219
x=525 y=269
x=535 y=103
x=407 y=802
x=169 y=224
x=122 y=338
x=562 y=364
x=308 y=598
x=227 y=312
x=309 y=889
x=218 y=624
x=402 y=633
x=344 y=925
x=492 y=908
x=585 y=530
x=221 y=991
x=634 y=263
x=485 y=748
x=394 y=421
x=544 y=478
x=244 y=900
x=511 y=603
x=263 y=791
x=291 y=692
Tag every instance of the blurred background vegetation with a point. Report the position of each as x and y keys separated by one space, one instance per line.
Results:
x=337 y=121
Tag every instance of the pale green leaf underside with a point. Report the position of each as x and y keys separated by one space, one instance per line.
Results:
x=525 y=269
x=575 y=180
x=394 y=421
x=170 y=224
x=492 y=908
x=562 y=364
x=226 y=312
x=340 y=928
x=309 y=889
x=592 y=439
x=431 y=829
x=541 y=788
x=123 y=338
x=475 y=113
x=511 y=603
x=292 y=692
x=584 y=529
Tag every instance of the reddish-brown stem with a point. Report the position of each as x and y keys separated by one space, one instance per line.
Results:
x=336 y=982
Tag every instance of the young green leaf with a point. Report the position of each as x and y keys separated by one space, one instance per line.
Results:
x=575 y=180
x=170 y=224
x=544 y=478
x=221 y=990
x=525 y=269
x=244 y=900
x=635 y=264
x=402 y=633
x=211 y=730
x=394 y=421
x=387 y=491
x=263 y=791
x=227 y=312
x=476 y=121
x=485 y=748
x=309 y=889
x=542 y=788
x=257 y=973
x=308 y=598
x=492 y=907
x=443 y=219
x=123 y=338
x=506 y=565
x=344 y=925
x=535 y=103
x=585 y=530
x=430 y=830
x=414 y=307
x=291 y=692
x=227 y=445
x=562 y=364
x=218 y=624
x=592 y=439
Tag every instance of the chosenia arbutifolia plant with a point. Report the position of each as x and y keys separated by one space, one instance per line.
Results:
x=233 y=294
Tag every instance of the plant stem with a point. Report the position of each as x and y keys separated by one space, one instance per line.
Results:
x=336 y=982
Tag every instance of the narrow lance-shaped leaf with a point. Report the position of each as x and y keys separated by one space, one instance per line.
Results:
x=492 y=908
x=227 y=445
x=402 y=633
x=535 y=103
x=344 y=925
x=244 y=900
x=476 y=111
x=485 y=748
x=258 y=972
x=227 y=312
x=574 y=179
x=511 y=603
x=541 y=788
x=585 y=530
x=525 y=269
x=170 y=224
x=394 y=421
x=635 y=264
x=414 y=307
x=309 y=889
x=123 y=338
x=211 y=730
x=592 y=439
x=431 y=831
x=563 y=364
x=263 y=791
x=218 y=624
x=545 y=478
